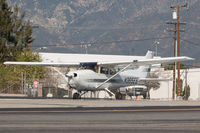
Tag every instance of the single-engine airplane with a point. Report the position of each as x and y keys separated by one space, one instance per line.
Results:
x=96 y=76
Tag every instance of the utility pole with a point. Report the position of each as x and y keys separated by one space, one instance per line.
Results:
x=174 y=65
x=176 y=15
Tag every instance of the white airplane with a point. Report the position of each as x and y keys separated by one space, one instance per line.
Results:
x=96 y=76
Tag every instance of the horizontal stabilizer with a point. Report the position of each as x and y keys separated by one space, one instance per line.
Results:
x=154 y=79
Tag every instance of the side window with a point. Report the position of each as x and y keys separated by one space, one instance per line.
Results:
x=104 y=70
x=109 y=71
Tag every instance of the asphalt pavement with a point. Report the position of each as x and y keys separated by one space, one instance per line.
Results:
x=57 y=103
x=106 y=116
x=153 y=121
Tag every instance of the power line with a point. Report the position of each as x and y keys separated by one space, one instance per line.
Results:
x=194 y=24
x=107 y=42
x=190 y=42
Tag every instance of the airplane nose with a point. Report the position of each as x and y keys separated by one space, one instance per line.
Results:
x=70 y=75
x=71 y=83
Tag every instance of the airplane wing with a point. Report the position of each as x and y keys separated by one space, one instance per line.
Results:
x=42 y=63
x=140 y=62
x=144 y=62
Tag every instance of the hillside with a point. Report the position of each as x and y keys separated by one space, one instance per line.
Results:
x=65 y=22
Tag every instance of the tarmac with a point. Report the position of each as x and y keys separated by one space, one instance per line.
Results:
x=98 y=115
x=65 y=103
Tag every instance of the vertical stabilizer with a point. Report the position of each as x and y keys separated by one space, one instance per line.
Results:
x=149 y=55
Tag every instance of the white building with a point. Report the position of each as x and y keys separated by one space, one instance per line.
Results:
x=165 y=90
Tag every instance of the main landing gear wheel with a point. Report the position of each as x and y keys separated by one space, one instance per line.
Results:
x=118 y=96
x=76 y=96
x=145 y=96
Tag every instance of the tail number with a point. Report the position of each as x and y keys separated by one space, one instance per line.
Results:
x=131 y=80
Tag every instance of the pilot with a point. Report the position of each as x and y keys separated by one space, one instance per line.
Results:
x=118 y=69
x=96 y=68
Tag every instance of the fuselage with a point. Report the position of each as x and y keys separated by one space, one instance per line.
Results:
x=103 y=79
x=88 y=80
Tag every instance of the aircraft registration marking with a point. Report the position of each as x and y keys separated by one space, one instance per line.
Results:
x=131 y=80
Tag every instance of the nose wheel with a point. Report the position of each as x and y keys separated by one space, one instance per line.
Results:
x=76 y=96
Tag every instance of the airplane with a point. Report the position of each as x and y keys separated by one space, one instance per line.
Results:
x=102 y=75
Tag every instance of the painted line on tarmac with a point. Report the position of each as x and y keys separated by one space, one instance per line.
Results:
x=100 y=111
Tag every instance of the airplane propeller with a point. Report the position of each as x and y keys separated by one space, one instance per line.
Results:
x=68 y=77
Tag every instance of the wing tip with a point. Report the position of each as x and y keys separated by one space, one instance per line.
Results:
x=189 y=58
x=6 y=63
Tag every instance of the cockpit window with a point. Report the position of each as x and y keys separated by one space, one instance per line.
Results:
x=88 y=65
x=105 y=70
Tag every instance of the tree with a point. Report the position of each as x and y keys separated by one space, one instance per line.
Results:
x=15 y=42
x=15 y=34
x=11 y=75
x=32 y=72
x=8 y=78
x=186 y=92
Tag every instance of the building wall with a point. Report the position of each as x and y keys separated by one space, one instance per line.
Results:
x=194 y=82
x=165 y=90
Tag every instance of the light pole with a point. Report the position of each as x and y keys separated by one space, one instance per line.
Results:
x=156 y=46
x=86 y=47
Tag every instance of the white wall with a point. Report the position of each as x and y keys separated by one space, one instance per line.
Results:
x=165 y=90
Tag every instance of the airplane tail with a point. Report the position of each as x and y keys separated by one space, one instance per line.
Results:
x=144 y=71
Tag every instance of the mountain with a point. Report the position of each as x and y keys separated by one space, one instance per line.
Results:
x=112 y=24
